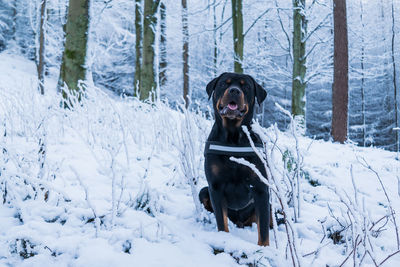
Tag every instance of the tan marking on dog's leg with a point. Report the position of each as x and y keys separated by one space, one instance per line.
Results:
x=261 y=243
x=271 y=220
x=225 y=214
x=207 y=205
x=215 y=169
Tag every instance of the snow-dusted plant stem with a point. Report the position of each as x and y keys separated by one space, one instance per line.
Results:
x=189 y=158
x=276 y=182
x=87 y=199
x=295 y=127
x=42 y=151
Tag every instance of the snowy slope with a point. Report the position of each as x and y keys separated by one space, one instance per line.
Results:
x=113 y=192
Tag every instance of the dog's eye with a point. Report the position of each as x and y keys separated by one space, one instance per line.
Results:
x=242 y=82
x=228 y=81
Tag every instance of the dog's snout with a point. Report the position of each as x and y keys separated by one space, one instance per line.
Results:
x=234 y=91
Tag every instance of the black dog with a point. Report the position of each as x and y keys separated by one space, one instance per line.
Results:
x=234 y=191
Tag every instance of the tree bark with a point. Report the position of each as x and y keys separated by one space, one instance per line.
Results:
x=138 y=45
x=238 y=38
x=340 y=76
x=215 y=57
x=299 y=61
x=185 y=52
x=163 y=46
x=40 y=66
x=362 y=75
x=14 y=15
x=73 y=66
x=148 y=83
x=396 y=111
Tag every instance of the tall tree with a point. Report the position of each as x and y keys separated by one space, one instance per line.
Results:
x=185 y=52
x=148 y=79
x=73 y=66
x=215 y=56
x=396 y=110
x=40 y=59
x=299 y=61
x=138 y=45
x=362 y=75
x=14 y=15
x=238 y=37
x=163 y=46
x=340 y=86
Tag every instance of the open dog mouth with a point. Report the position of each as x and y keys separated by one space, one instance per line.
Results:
x=231 y=110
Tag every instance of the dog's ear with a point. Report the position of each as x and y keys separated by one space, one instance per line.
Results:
x=211 y=86
x=261 y=94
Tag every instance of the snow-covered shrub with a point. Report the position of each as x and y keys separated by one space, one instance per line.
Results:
x=352 y=225
x=192 y=129
x=24 y=248
x=147 y=200
x=25 y=173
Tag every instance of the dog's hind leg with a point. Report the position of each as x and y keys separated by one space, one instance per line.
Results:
x=204 y=197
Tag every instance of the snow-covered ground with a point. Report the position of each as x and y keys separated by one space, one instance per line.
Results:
x=113 y=192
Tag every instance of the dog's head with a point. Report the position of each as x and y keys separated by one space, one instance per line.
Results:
x=233 y=97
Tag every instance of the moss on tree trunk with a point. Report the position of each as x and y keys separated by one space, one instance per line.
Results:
x=148 y=76
x=73 y=66
x=40 y=62
x=185 y=53
x=163 y=46
x=238 y=37
x=299 y=60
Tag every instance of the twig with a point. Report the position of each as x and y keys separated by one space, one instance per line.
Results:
x=392 y=212
x=85 y=189
x=388 y=257
x=348 y=256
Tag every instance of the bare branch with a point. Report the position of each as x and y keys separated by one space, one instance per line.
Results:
x=255 y=21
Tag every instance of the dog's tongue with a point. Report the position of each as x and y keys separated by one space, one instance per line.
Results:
x=232 y=106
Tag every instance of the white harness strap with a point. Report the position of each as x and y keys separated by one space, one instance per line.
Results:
x=231 y=148
x=213 y=147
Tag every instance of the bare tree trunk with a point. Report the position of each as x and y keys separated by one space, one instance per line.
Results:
x=148 y=79
x=215 y=58
x=362 y=75
x=238 y=37
x=340 y=77
x=14 y=15
x=163 y=46
x=40 y=66
x=299 y=61
x=185 y=52
x=396 y=119
x=73 y=66
x=138 y=45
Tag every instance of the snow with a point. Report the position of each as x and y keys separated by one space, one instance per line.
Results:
x=67 y=220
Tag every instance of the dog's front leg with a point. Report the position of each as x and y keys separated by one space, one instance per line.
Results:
x=220 y=208
x=262 y=208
